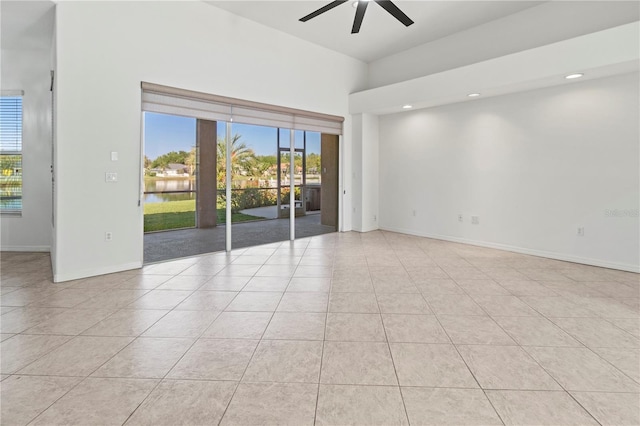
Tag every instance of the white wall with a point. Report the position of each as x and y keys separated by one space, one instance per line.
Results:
x=104 y=51
x=28 y=70
x=544 y=24
x=54 y=67
x=533 y=166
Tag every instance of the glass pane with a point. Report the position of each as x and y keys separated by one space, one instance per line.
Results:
x=313 y=176
x=11 y=123
x=299 y=139
x=221 y=174
x=284 y=138
x=169 y=172
x=298 y=164
x=284 y=183
x=11 y=183
x=255 y=186
x=185 y=170
x=299 y=176
x=285 y=179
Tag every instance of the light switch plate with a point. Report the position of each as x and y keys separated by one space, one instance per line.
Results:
x=111 y=177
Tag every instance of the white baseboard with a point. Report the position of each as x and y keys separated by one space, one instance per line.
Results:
x=86 y=273
x=40 y=249
x=366 y=229
x=522 y=250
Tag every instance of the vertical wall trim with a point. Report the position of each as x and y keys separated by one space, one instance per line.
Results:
x=228 y=173
x=292 y=185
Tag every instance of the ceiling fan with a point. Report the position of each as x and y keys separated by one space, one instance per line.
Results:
x=362 y=7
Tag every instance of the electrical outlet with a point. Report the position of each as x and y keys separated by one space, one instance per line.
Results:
x=110 y=177
x=460 y=218
x=581 y=231
x=108 y=236
x=415 y=213
x=375 y=218
x=475 y=220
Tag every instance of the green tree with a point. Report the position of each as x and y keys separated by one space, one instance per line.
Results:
x=161 y=162
x=268 y=160
x=10 y=164
x=313 y=163
x=265 y=163
x=242 y=157
x=11 y=173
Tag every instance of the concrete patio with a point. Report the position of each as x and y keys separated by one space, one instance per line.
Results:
x=160 y=246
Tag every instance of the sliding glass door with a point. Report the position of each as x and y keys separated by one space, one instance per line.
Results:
x=238 y=176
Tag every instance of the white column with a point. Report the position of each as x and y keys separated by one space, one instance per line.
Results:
x=228 y=168
x=292 y=186
x=365 y=195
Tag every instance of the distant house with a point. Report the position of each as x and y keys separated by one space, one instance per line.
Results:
x=172 y=170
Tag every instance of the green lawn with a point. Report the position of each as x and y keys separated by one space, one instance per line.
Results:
x=181 y=214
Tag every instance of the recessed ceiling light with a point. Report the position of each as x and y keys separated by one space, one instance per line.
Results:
x=572 y=76
x=407 y=106
x=473 y=95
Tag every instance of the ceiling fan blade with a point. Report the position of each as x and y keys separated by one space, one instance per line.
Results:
x=322 y=10
x=357 y=22
x=395 y=11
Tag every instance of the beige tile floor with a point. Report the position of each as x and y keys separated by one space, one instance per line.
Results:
x=375 y=328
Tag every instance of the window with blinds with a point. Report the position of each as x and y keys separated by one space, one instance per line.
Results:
x=11 y=152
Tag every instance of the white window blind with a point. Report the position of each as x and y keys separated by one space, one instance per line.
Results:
x=10 y=124
x=170 y=100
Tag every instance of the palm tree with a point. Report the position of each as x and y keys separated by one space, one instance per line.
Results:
x=241 y=157
x=190 y=161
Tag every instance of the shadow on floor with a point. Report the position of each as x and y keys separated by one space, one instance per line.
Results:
x=160 y=246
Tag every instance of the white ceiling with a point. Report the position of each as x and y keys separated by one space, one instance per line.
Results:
x=26 y=24
x=381 y=34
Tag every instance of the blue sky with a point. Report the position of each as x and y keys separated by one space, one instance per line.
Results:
x=165 y=133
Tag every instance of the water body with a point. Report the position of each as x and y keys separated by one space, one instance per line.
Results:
x=166 y=190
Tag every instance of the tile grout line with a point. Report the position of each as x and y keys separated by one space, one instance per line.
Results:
x=584 y=345
x=233 y=394
x=324 y=339
x=83 y=379
x=386 y=338
x=453 y=344
x=159 y=380
x=174 y=364
x=548 y=373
